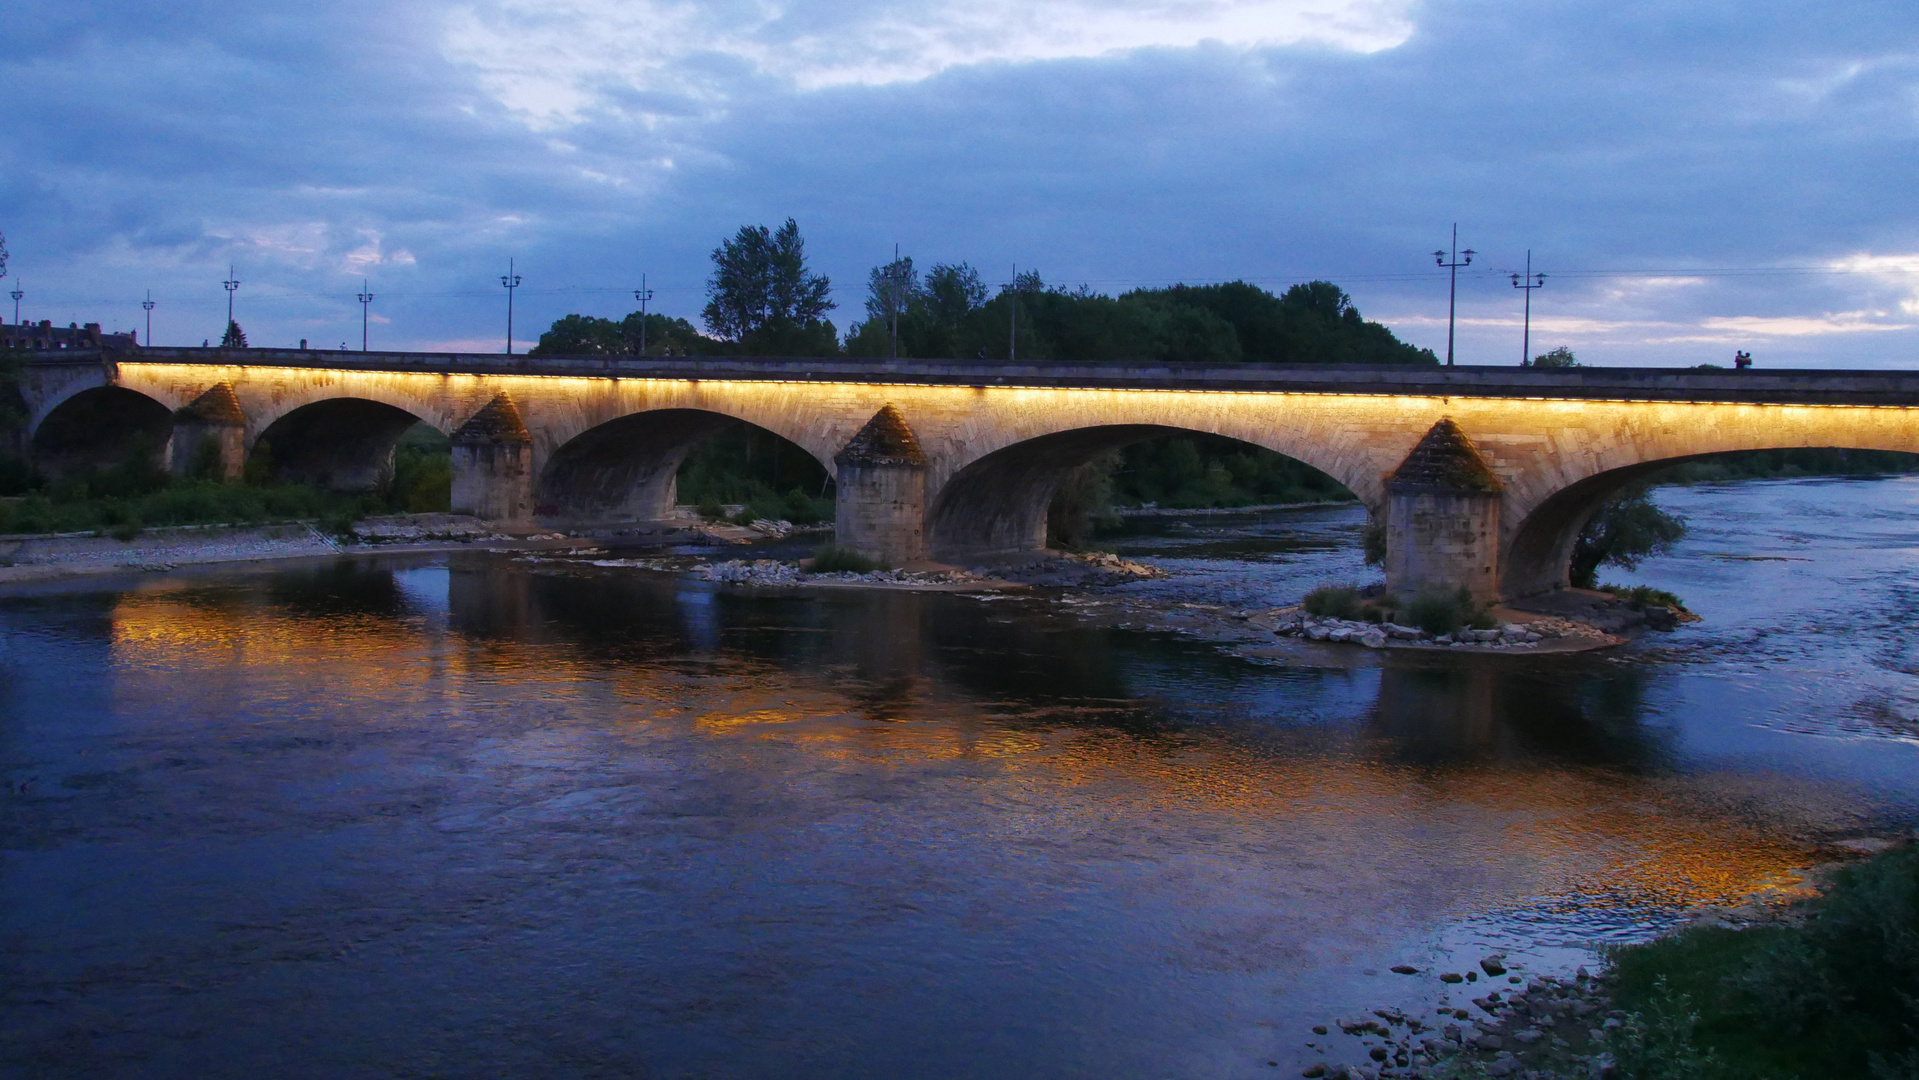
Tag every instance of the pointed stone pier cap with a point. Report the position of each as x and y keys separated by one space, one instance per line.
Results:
x=885 y=440
x=1445 y=461
x=498 y=422
x=217 y=407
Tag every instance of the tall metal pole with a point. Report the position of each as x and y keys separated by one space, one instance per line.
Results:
x=512 y=281
x=1452 y=292
x=1012 y=325
x=1529 y=282
x=232 y=284
x=17 y=293
x=642 y=294
x=148 y=305
x=365 y=298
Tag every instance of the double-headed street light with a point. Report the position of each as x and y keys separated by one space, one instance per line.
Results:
x=1452 y=294
x=510 y=281
x=1528 y=281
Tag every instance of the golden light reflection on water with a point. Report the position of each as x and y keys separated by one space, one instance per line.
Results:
x=1552 y=837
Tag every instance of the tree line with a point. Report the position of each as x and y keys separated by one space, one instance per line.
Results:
x=764 y=300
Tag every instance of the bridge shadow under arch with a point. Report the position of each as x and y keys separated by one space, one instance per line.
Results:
x=342 y=444
x=629 y=469
x=1004 y=502
x=1538 y=556
x=99 y=428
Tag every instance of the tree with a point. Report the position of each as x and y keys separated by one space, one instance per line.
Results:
x=588 y=335
x=234 y=338
x=1626 y=528
x=762 y=296
x=1561 y=357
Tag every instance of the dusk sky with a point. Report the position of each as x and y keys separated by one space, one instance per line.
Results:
x=1694 y=178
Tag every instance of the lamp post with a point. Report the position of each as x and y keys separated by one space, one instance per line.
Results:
x=147 y=305
x=365 y=298
x=1529 y=281
x=511 y=281
x=1452 y=292
x=1012 y=320
x=642 y=294
x=17 y=293
x=232 y=285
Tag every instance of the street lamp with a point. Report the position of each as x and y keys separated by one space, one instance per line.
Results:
x=366 y=298
x=510 y=281
x=17 y=293
x=232 y=285
x=147 y=304
x=1529 y=281
x=642 y=294
x=1452 y=292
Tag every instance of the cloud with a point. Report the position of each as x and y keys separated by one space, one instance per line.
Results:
x=553 y=61
x=1669 y=168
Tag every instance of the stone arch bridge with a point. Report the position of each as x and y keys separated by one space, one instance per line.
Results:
x=1480 y=476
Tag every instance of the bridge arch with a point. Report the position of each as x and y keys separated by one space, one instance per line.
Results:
x=1536 y=553
x=100 y=427
x=626 y=468
x=1002 y=501
x=341 y=443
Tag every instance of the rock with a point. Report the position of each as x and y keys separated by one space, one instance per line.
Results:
x=1501 y=1068
x=1317 y=633
x=1494 y=964
x=1613 y=1023
x=1452 y=977
x=1443 y=639
x=1373 y=639
x=1319 y=1029
x=1661 y=618
x=1404 y=633
x=1316 y=1069
x=1489 y=1042
x=1528 y=1037
x=1377 y=1053
x=1341 y=634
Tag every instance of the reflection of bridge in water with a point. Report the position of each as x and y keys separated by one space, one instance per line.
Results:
x=1480 y=476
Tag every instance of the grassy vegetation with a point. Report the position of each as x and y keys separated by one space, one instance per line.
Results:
x=1638 y=597
x=833 y=559
x=1434 y=612
x=1836 y=996
x=135 y=494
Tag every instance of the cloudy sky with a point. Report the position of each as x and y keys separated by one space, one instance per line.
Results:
x=1693 y=177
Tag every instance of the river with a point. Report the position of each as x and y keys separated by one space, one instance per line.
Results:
x=466 y=816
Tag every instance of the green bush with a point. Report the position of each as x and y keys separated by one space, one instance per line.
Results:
x=1644 y=596
x=1445 y=612
x=1332 y=602
x=832 y=558
x=1836 y=996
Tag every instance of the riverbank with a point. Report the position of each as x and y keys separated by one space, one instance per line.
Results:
x=1794 y=982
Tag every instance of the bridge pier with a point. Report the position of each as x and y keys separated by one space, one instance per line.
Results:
x=209 y=436
x=1442 y=519
x=493 y=466
x=881 y=507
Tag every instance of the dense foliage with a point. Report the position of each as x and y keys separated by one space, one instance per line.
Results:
x=751 y=467
x=763 y=297
x=1626 y=529
x=136 y=493
x=587 y=335
x=1836 y=996
x=947 y=315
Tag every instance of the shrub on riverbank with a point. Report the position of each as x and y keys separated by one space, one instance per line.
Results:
x=1837 y=995
x=1440 y=612
x=1640 y=597
x=834 y=559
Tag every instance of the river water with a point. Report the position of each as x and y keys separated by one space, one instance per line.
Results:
x=471 y=817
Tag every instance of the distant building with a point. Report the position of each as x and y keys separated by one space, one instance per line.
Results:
x=44 y=336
